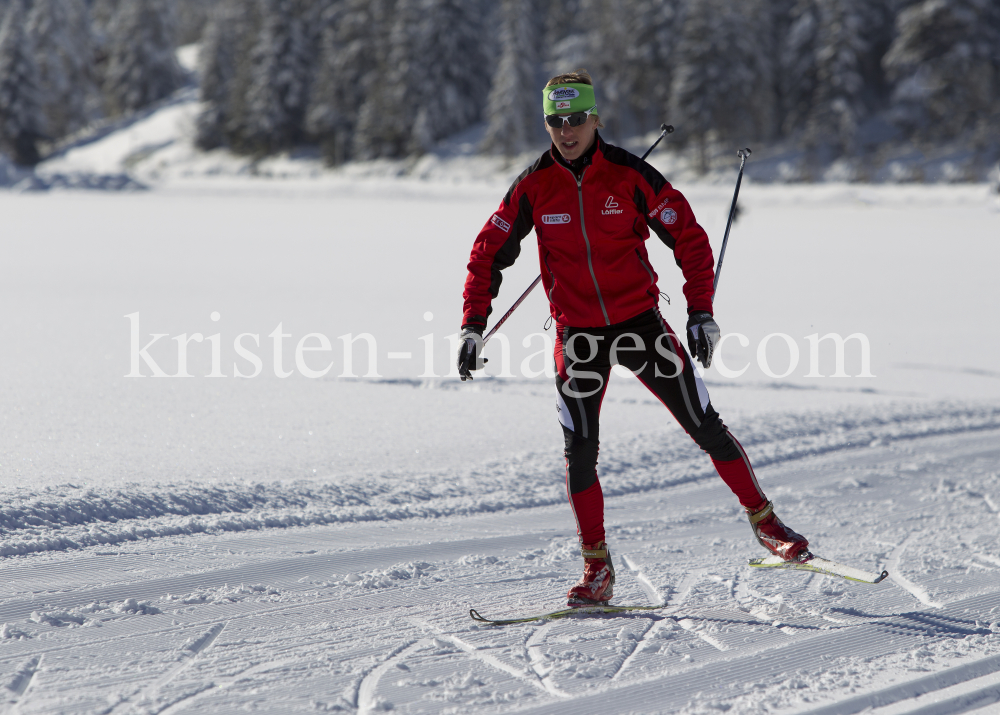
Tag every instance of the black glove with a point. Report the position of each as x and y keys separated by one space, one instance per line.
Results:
x=469 y=351
x=703 y=335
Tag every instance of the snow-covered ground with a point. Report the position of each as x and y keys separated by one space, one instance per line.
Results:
x=303 y=544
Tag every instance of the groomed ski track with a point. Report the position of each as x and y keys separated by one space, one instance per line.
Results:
x=371 y=616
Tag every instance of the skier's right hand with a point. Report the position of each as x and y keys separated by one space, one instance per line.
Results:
x=703 y=335
x=470 y=350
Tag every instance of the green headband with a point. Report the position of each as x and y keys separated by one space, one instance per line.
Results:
x=565 y=98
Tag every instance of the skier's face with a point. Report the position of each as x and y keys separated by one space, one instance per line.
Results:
x=573 y=142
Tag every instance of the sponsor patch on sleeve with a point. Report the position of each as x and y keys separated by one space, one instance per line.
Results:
x=668 y=216
x=659 y=208
x=500 y=223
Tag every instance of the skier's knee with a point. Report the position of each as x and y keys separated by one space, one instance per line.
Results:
x=714 y=438
x=581 y=461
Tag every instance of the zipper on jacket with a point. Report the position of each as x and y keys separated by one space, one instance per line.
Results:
x=648 y=270
x=583 y=227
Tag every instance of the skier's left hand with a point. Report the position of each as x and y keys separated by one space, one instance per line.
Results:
x=703 y=336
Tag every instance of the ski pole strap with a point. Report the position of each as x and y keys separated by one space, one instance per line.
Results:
x=762 y=514
x=594 y=553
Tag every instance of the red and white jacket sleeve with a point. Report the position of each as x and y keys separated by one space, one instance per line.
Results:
x=497 y=246
x=670 y=217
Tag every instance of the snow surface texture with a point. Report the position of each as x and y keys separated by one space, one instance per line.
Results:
x=200 y=544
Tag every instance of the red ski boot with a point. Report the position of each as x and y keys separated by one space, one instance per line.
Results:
x=595 y=587
x=776 y=537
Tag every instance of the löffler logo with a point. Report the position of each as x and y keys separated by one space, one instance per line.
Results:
x=611 y=207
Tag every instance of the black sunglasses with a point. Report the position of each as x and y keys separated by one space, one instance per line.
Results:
x=575 y=119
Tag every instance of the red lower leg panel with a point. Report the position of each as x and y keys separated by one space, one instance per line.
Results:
x=588 y=506
x=739 y=477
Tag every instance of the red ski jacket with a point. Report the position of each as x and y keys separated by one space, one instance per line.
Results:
x=591 y=239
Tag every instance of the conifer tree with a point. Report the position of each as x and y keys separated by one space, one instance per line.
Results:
x=645 y=70
x=606 y=45
x=141 y=65
x=433 y=80
x=20 y=105
x=722 y=82
x=851 y=37
x=192 y=19
x=351 y=38
x=218 y=59
x=798 y=77
x=945 y=61
x=514 y=108
x=778 y=21
x=61 y=37
x=277 y=92
x=565 y=45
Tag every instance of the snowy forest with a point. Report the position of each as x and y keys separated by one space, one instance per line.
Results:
x=367 y=79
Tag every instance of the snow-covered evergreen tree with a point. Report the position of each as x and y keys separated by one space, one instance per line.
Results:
x=780 y=14
x=141 y=64
x=219 y=62
x=21 y=122
x=514 y=111
x=192 y=19
x=606 y=42
x=565 y=46
x=102 y=12
x=797 y=78
x=945 y=61
x=61 y=37
x=434 y=83
x=277 y=92
x=349 y=48
x=722 y=82
x=851 y=38
x=645 y=71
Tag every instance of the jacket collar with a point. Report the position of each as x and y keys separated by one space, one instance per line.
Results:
x=592 y=155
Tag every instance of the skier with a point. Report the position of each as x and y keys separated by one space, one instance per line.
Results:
x=592 y=205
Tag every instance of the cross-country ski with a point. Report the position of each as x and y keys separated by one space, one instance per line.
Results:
x=563 y=613
x=817 y=564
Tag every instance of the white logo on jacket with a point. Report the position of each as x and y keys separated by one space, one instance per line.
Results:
x=668 y=216
x=611 y=207
x=556 y=218
x=500 y=223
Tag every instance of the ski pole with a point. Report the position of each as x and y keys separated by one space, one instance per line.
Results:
x=742 y=154
x=664 y=130
x=512 y=309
